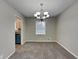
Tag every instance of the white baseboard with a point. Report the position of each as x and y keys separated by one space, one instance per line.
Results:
x=68 y=50
x=22 y=43
x=40 y=41
x=10 y=54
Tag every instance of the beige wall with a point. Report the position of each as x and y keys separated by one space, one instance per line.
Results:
x=29 y=31
x=67 y=29
x=7 y=30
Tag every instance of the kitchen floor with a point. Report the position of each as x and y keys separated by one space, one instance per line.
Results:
x=41 y=51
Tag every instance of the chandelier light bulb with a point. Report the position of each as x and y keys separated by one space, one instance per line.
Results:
x=38 y=13
x=45 y=13
x=38 y=17
x=47 y=16
x=35 y=15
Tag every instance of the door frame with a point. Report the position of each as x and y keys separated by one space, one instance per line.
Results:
x=21 y=27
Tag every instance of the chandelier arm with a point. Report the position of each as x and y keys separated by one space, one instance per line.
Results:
x=42 y=16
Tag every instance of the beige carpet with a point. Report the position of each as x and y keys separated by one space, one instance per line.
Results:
x=41 y=51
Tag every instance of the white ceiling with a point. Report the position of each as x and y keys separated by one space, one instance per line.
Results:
x=29 y=7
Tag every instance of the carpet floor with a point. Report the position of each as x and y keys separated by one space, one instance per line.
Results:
x=41 y=51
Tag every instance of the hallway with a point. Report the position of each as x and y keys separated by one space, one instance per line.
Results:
x=41 y=51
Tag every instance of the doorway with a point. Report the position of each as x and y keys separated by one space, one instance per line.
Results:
x=18 y=30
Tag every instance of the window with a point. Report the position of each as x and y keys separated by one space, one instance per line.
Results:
x=40 y=28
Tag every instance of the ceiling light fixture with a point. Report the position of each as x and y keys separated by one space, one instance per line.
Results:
x=42 y=15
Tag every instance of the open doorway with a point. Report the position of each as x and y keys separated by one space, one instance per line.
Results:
x=18 y=31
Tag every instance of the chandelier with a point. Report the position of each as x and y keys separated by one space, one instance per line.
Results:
x=41 y=15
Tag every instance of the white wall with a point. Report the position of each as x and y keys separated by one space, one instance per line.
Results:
x=30 y=27
x=7 y=29
x=67 y=29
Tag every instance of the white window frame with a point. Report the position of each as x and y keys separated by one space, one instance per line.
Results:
x=38 y=23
